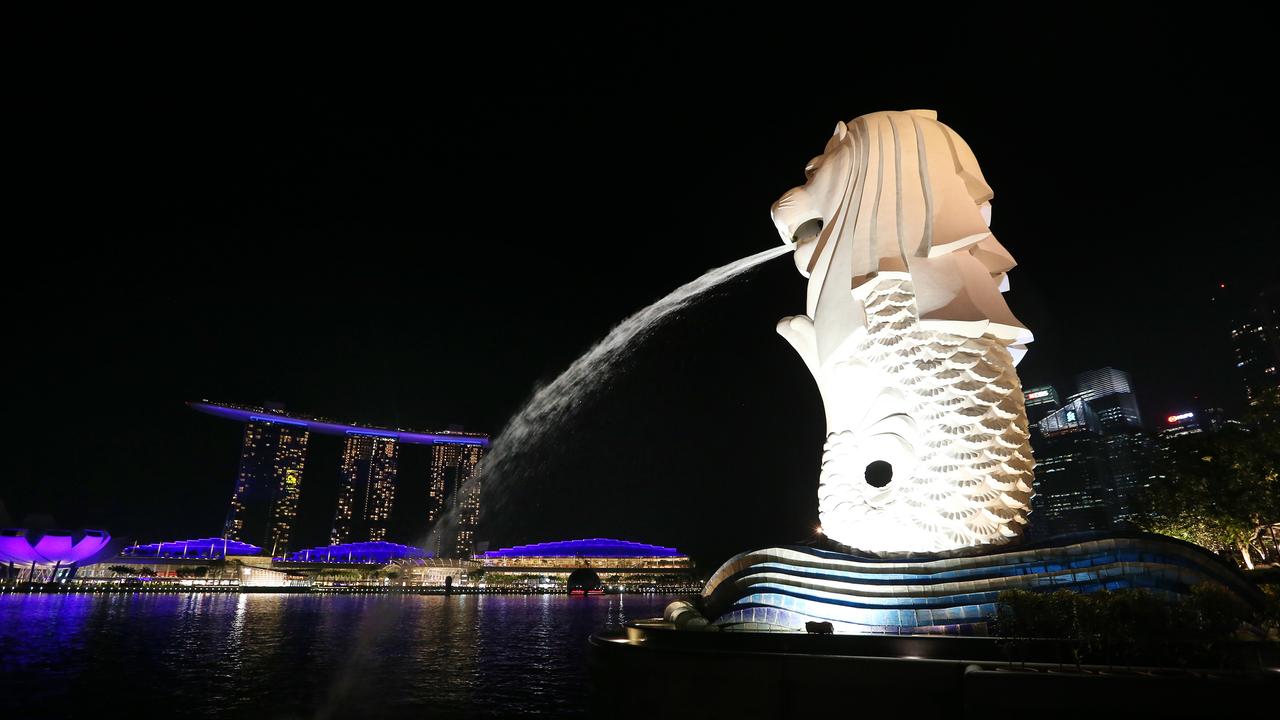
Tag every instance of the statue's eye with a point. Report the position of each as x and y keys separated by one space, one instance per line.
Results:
x=878 y=473
x=812 y=167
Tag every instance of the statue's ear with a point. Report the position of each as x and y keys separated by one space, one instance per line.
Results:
x=841 y=130
x=931 y=114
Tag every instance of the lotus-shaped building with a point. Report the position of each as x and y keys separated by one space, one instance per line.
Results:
x=42 y=553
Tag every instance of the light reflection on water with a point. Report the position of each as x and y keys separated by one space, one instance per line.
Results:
x=301 y=656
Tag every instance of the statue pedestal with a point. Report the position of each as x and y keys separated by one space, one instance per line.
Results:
x=910 y=638
x=951 y=593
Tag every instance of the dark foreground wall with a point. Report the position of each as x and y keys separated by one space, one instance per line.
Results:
x=660 y=674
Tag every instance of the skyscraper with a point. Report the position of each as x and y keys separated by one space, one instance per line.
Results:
x=1110 y=395
x=1255 y=341
x=367 y=488
x=1070 y=483
x=1092 y=454
x=264 y=504
x=1125 y=449
x=454 y=496
x=1040 y=401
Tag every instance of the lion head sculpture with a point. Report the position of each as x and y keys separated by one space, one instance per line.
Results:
x=909 y=339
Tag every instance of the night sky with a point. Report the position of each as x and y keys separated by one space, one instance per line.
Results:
x=420 y=231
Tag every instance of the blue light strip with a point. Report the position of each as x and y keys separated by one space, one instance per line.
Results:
x=375 y=433
x=263 y=418
x=409 y=437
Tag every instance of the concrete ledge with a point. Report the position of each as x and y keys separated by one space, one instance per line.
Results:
x=652 y=670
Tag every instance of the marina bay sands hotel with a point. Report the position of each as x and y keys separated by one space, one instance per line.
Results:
x=264 y=503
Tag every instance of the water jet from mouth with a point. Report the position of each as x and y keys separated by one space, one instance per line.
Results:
x=557 y=402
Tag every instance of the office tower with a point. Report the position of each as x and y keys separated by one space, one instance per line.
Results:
x=1103 y=381
x=454 y=497
x=367 y=488
x=1110 y=395
x=1255 y=342
x=1070 y=475
x=1041 y=401
x=1125 y=449
x=1181 y=424
x=1214 y=419
x=1128 y=458
x=264 y=504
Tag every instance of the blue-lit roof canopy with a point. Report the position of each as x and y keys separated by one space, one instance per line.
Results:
x=329 y=427
x=594 y=547
x=365 y=553
x=205 y=548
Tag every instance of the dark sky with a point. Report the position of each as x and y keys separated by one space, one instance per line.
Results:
x=420 y=230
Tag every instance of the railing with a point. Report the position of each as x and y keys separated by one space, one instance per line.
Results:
x=215 y=585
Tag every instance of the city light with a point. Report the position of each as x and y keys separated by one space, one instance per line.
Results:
x=1177 y=418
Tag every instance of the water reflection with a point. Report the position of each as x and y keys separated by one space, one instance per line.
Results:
x=301 y=656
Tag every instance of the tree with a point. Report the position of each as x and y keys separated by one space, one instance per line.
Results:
x=1220 y=490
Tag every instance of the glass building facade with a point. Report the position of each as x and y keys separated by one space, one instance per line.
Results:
x=264 y=504
x=367 y=489
x=1092 y=454
x=1070 y=483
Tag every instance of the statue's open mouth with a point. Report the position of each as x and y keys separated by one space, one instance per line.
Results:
x=807 y=232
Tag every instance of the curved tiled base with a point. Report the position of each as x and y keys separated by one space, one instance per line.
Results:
x=954 y=593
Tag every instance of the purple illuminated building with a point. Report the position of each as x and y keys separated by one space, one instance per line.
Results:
x=205 y=548
x=618 y=564
x=592 y=548
x=49 y=555
x=361 y=553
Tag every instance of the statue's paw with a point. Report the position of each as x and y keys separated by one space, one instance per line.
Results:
x=798 y=330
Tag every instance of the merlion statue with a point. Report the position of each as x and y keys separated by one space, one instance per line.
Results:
x=910 y=341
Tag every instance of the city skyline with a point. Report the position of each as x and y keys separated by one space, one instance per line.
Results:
x=275 y=442
x=654 y=370
x=495 y=234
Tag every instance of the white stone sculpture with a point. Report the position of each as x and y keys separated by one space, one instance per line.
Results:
x=909 y=339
